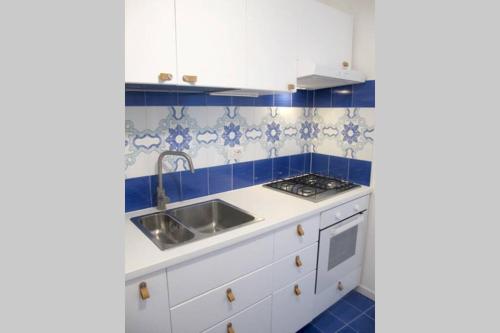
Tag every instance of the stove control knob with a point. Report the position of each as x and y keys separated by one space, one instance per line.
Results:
x=357 y=208
x=338 y=215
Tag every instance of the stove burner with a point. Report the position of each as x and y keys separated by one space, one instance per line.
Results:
x=312 y=186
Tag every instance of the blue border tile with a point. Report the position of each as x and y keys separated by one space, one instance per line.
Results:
x=283 y=99
x=161 y=98
x=171 y=184
x=220 y=178
x=308 y=157
x=243 y=101
x=364 y=94
x=342 y=97
x=320 y=163
x=135 y=98
x=195 y=184
x=339 y=167
x=323 y=98
x=211 y=100
x=299 y=98
x=263 y=171
x=297 y=164
x=310 y=98
x=264 y=100
x=192 y=99
x=242 y=174
x=137 y=193
x=360 y=171
x=281 y=167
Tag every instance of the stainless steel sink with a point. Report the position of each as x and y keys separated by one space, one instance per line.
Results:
x=164 y=231
x=211 y=216
x=189 y=223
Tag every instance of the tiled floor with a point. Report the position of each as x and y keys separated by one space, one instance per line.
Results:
x=353 y=313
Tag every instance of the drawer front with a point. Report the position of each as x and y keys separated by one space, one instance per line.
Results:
x=292 y=312
x=206 y=310
x=289 y=240
x=255 y=319
x=294 y=266
x=195 y=277
x=148 y=315
x=328 y=297
x=342 y=212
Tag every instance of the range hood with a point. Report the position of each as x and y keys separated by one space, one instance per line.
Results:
x=313 y=76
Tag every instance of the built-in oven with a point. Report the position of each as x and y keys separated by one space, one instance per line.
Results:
x=341 y=249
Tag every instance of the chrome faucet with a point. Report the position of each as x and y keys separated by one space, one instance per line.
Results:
x=161 y=197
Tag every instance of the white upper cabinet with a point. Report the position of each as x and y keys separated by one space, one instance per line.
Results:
x=271 y=44
x=150 y=41
x=325 y=35
x=211 y=43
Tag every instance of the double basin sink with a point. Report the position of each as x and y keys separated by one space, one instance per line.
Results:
x=190 y=223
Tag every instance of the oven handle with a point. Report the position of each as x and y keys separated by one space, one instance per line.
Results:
x=347 y=226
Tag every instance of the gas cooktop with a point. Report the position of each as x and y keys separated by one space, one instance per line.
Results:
x=312 y=186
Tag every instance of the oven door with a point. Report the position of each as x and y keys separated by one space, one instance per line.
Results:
x=341 y=248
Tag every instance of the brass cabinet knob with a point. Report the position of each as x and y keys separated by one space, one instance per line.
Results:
x=230 y=295
x=190 y=78
x=296 y=290
x=340 y=286
x=230 y=328
x=291 y=86
x=298 y=262
x=165 y=77
x=345 y=64
x=300 y=230
x=143 y=290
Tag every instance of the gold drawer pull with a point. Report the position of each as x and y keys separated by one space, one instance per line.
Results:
x=230 y=328
x=340 y=286
x=345 y=64
x=230 y=295
x=165 y=77
x=291 y=86
x=143 y=290
x=190 y=78
x=298 y=262
x=296 y=290
x=300 y=230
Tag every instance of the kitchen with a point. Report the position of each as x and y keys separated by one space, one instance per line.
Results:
x=252 y=138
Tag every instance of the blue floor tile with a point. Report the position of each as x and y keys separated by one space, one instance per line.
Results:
x=363 y=324
x=346 y=329
x=359 y=301
x=371 y=312
x=327 y=323
x=344 y=311
x=309 y=329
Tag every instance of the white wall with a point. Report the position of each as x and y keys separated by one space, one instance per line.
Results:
x=364 y=60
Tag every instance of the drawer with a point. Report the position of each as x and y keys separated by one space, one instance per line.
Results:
x=330 y=296
x=208 y=309
x=294 y=266
x=195 y=277
x=148 y=315
x=255 y=319
x=343 y=211
x=288 y=239
x=292 y=312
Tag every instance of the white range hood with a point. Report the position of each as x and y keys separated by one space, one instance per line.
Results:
x=313 y=76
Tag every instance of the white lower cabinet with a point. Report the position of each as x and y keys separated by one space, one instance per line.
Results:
x=204 y=311
x=293 y=305
x=294 y=266
x=147 y=312
x=255 y=319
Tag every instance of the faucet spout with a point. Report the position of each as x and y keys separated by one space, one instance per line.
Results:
x=161 y=197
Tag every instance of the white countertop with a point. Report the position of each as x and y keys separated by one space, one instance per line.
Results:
x=278 y=209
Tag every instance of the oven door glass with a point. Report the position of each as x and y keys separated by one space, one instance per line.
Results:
x=342 y=247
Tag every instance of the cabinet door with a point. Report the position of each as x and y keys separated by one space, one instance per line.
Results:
x=271 y=44
x=150 y=315
x=150 y=41
x=211 y=42
x=325 y=34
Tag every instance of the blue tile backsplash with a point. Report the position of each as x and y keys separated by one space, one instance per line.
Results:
x=327 y=131
x=140 y=192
